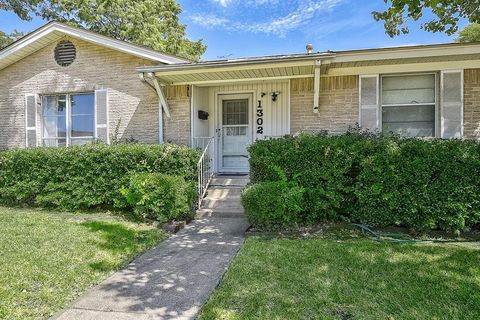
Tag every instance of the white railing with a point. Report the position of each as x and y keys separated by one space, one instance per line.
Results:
x=206 y=164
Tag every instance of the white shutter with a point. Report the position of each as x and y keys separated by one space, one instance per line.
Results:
x=369 y=113
x=31 y=120
x=451 y=111
x=101 y=115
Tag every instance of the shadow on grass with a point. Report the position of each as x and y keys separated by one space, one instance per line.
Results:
x=350 y=279
x=430 y=279
x=117 y=239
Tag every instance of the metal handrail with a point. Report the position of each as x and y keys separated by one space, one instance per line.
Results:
x=205 y=165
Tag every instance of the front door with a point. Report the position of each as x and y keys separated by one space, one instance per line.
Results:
x=235 y=132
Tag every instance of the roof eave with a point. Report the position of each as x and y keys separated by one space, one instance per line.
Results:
x=91 y=37
x=233 y=64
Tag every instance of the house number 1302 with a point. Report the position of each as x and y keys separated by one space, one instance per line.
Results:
x=259 y=117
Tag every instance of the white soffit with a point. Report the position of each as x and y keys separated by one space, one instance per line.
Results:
x=54 y=31
x=302 y=65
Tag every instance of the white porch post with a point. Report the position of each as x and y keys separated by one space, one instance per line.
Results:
x=162 y=107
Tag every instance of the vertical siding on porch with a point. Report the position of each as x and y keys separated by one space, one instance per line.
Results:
x=276 y=114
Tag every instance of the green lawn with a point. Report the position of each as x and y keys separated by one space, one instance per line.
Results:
x=349 y=279
x=48 y=259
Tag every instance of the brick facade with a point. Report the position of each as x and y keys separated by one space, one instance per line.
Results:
x=472 y=103
x=338 y=107
x=132 y=103
x=177 y=128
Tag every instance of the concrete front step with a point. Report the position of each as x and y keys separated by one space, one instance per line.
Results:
x=224 y=195
x=230 y=181
x=229 y=194
x=226 y=213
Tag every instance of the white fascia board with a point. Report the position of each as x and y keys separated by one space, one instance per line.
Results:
x=233 y=65
x=234 y=80
x=92 y=38
x=406 y=53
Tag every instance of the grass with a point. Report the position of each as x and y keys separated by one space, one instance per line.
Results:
x=48 y=259
x=349 y=279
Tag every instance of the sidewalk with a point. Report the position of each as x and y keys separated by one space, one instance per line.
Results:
x=175 y=279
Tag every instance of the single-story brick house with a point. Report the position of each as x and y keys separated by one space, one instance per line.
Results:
x=64 y=86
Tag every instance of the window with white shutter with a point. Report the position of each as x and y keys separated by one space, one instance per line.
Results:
x=68 y=119
x=369 y=108
x=452 y=104
x=30 y=120
x=101 y=107
x=408 y=104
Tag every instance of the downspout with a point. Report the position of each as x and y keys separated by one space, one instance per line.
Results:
x=316 y=87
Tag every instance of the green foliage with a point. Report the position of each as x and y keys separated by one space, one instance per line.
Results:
x=422 y=184
x=347 y=279
x=160 y=197
x=85 y=177
x=379 y=180
x=6 y=39
x=151 y=23
x=273 y=204
x=48 y=259
x=470 y=33
x=446 y=13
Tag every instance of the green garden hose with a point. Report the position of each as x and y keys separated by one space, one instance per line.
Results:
x=386 y=236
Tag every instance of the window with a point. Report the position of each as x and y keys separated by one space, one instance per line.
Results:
x=68 y=119
x=408 y=105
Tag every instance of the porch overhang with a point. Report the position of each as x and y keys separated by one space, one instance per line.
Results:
x=242 y=70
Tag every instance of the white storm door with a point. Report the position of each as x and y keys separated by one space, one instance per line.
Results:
x=235 y=132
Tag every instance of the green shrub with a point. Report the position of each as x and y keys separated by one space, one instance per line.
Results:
x=85 y=177
x=321 y=164
x=273 y=204
x=430 y=184
x=160 y=197
x=378 y=180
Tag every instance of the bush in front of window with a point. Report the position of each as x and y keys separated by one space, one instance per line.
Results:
x=83 y=177
x=378 y=180
x=158 y=197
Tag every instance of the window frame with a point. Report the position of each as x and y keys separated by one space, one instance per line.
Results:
x=68 y=117
x=435 y=104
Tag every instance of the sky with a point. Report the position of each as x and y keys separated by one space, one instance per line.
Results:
x=240 y=28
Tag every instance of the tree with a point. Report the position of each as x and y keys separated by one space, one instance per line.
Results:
x=470 y=33
x=447 y=14
x=151 y=23
x=6 y=39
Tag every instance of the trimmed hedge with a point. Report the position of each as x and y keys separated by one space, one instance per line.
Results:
x=378 y=180
x=85 y=177
x=273 y=204
x=157 y=196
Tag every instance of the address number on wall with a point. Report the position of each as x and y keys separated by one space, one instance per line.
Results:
x=260 y=115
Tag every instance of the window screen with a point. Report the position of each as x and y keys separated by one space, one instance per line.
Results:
x=408 y=105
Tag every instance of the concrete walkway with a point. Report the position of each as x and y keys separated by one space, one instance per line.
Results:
x=175 y=279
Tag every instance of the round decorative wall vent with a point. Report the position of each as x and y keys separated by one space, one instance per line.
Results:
x=65 y=53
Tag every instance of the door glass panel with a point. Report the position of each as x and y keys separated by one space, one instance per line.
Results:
x=235 y=134
x=235 y=112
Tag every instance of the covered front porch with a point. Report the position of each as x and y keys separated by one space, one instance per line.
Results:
x=234 y=103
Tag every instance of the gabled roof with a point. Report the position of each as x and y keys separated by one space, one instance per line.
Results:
x=53 y=31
